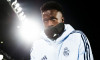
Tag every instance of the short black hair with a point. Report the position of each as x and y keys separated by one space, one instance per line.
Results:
x=51 y=5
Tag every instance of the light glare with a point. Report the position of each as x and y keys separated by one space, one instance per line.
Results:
x=1 y=57
x=30 y=31
x=17 y=5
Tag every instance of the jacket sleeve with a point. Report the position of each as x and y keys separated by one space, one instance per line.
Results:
x=32 y=54
x=85 y=52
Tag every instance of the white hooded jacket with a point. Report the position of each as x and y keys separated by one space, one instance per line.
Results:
x=71 y=45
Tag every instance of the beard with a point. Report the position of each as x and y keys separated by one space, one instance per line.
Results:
x=53 y=32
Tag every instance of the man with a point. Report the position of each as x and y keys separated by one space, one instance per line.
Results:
x=59 y=41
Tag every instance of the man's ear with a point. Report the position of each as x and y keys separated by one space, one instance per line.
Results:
x=62 y=19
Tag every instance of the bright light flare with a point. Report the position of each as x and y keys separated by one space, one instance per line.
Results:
x=19 y=9
x=17 y=5
x=1 y=57
x=30 y=31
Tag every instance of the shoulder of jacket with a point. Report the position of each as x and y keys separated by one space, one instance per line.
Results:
x=77 y=31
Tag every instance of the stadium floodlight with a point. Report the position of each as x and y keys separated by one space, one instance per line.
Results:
x=30 y=29
x=17 y=5
x=8 y=0
x=22 y=18
x=21 y=14
x=18 y=10
x=13 y=3
x=1 y=57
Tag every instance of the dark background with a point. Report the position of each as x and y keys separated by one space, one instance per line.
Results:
x=80 y=14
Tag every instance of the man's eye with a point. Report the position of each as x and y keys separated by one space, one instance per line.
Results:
x=54 y=19
x=45 y=21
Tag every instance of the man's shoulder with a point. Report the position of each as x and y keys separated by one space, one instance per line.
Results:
x=77 y=32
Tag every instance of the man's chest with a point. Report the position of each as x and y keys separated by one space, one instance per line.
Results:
x=66 y=50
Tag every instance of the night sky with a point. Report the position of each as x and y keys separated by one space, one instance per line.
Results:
x=80 y=14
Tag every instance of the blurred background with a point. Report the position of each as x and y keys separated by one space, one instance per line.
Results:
x=16 y=40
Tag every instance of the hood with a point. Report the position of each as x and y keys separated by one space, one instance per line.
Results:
x=68 y=29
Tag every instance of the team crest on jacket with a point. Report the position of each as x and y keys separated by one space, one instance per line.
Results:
x=66 y=51
x=44 y=58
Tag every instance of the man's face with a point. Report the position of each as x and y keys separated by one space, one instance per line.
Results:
x=52 y=18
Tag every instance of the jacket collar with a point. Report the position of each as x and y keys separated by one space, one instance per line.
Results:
x=68 y=29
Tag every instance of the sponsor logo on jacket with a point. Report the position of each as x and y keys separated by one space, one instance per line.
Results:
x=66 y=51
x=44 y=58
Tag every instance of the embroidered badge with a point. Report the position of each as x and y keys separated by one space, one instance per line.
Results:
x=44 y=58
x=66 y=51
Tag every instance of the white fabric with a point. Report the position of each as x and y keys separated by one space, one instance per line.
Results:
x=69 y=46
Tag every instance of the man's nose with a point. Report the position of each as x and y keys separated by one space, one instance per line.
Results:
x=50 y=23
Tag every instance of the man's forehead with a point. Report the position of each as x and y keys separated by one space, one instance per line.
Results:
x=49 y=12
